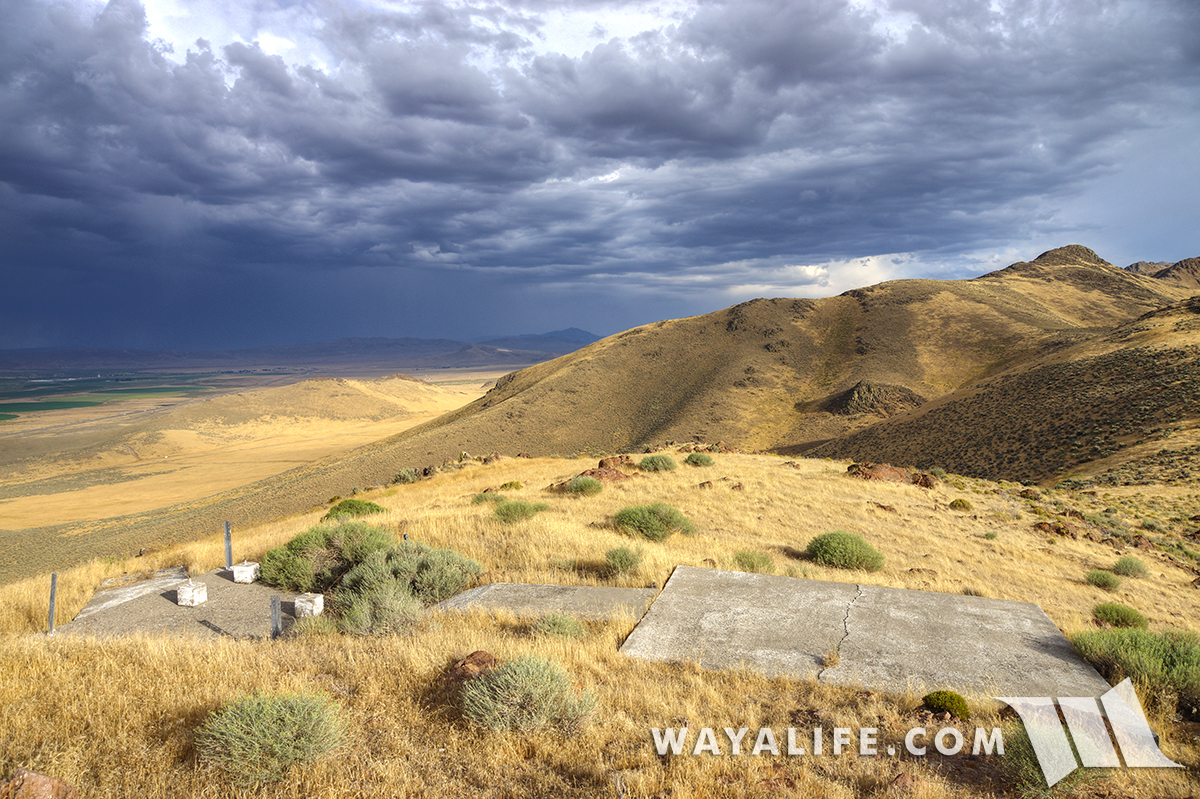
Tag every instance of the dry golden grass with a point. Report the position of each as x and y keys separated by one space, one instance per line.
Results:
x=118 y=717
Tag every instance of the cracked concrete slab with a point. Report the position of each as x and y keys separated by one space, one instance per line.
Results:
x=106 y=598
x=888 y=639
x=579 y=601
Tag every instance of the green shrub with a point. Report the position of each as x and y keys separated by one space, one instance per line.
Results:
x=351 y=508
x=623 y=560
x=655 y=522
x=990 y=535
x=258 y=738
x=937 y=471
x=518 y=510
x=525 y=694
x=1129 y=566
x=1165 y=666
x=844 y=550
x=1119 y=615
x=556 y=625
x=512 y=485
x=406 y=475
x=316 y=559
x=961 y=504
x=1022 y=769
x=584 y=486
x=749 y=561
x=657 y=463
x=948 y=702
x=698 y=459
x=378 y=609
x=487 y=496
x=1102 y=579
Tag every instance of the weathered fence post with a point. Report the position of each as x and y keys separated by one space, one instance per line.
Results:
x=53 y=594
x=276 y=617
x=228 y=545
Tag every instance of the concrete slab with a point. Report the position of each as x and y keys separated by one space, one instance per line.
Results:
x=231 y=609
x=107 y=598
x=887 y=639
x=579 y=601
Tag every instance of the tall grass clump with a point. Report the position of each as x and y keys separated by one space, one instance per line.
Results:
x=488 y=496
x=698 y=459
x=525 y=694
x=1129 y=566
x=657 y=463
x=1165 y=666
x=750 y=561
x=351 y=508
x=258 y=738
x=1118 y=615
x=655 y=522
x=1106 y=581
x=558 y=625
x=623 y=560
x=584 y=486
x=518 y=510
x=844 y=550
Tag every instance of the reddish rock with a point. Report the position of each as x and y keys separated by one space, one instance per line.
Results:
x=904 y=783
x=924 y=480
x=27 y=784
x=705 y=484
x=1141 y=542
x=879 y=471
x=888 y=508
x=1196 y=583
x=1061 y=529
x=605 y=474
x=737 y=487
x=467 y=669
x=926 y=572
x=615 y=461
x=793 y=464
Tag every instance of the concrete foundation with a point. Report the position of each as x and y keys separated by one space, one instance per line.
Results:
x=191 y=594
x=245 y=572
x=579 y=601
x=309 y=605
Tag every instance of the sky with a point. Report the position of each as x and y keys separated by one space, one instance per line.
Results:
x=233 y=173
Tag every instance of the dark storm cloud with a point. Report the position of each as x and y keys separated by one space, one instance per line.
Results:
x=444 y=150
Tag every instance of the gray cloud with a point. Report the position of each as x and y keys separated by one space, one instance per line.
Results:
x=444 y=151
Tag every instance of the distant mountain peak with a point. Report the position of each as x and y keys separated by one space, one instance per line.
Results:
x=1071 y=255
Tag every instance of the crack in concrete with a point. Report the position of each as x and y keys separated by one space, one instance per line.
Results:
x=837 y=650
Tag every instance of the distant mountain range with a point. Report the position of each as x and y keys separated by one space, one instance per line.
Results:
x=396 y=354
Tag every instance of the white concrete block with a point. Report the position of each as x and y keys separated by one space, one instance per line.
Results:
x=309 y=605
x=245 y=572
x=191 y=594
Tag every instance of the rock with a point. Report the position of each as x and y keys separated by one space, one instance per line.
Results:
x=477 y=663
x=879 y=471
x=1196 y=583
x=924 y=480
x=524 y=455
x=904 y=783
x=793 y=464
x=710 y=562
x=615 y=461
x=605 y=475
x=705 y=484
x=926 y=572
x=888 y=508
x=737 y=487
x=1061 y=529
x=27 y=784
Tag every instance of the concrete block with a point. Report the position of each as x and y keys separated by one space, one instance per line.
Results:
x=191 y=594
x=245 y=572
x=309 y=605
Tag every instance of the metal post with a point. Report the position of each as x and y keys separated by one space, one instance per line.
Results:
x=53 y=593
x=228 y=545
x=276 y=617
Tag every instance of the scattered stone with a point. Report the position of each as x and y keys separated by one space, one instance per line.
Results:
x=793 y=464
x=524 y=455
x=27 y=784
x=1141 y=542
x=926 y=572
x=904 y=783
x=706 y=484
x=737 y=487
x=1196 y=583
x=492 y=458
x=879 y=471
x=924 y=480
x=888 y=508
x=709 y=562
x=615 y=461
x=1061 y=529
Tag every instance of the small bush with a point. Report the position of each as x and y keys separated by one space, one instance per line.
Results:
x=379 y=609
x=698 y=459
x=1119 y=615
x=1129 y=566
x=655 y=522
x=556 y=625
x=518 y=510
x=585 y=486
x=961 y=504
x=351 y=508
x=844 y=550
x=1102 y=579
x=657 y=463
x=937 y=471
x=487 y=496
x=758 y=562
x=525 y=694
x=990 y=535
x=1165 y=666
x=512 y=485
x=406 y=475
x=316 y=559
x=948 y=702
x=258 y=738
x=623 y=560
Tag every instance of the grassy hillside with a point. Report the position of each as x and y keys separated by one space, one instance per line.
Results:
x=144 y=698
x=1098 y=409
